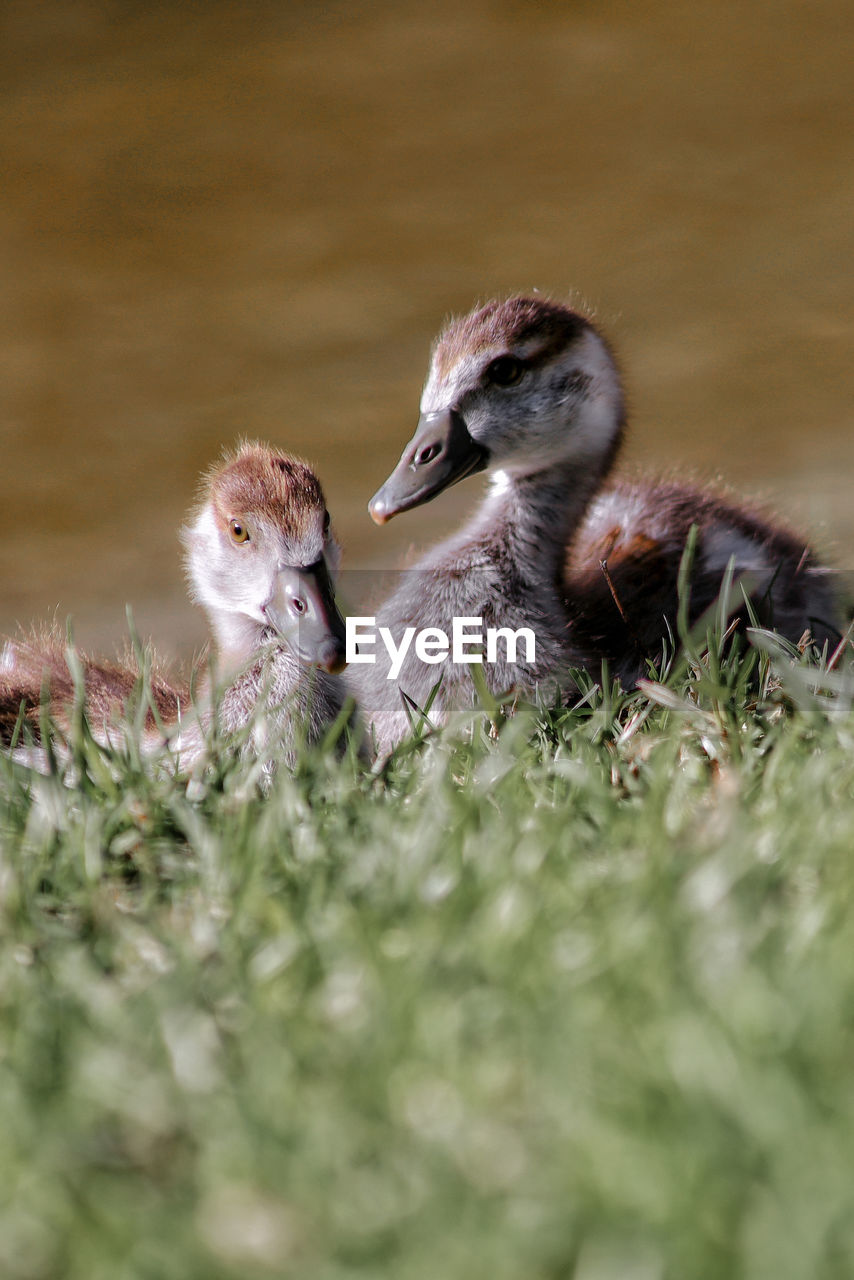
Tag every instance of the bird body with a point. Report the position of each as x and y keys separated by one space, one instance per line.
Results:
x=494 y=570
x=40 y=666
x=622 y=570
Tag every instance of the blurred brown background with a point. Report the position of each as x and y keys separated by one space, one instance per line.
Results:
x=223 y=219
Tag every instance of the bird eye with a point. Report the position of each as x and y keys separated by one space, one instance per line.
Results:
x=326 y=523
x=238 y=531
x=298 y=605
x=505 y=371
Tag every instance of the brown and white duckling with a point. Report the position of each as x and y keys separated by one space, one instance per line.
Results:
x=527 y=389
x=258 y=554
x=259 y=557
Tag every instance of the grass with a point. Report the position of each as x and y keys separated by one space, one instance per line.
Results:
x=567 y=994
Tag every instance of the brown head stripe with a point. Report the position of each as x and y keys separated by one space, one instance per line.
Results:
x=505 y=324
x=263 y=482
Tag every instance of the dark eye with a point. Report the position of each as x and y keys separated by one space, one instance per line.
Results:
x=238 y=531
x=505 y=371
x=298 y=605
x=326 y=523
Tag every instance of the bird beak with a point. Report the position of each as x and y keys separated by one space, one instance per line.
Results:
x=302 y=611
x=439 y=454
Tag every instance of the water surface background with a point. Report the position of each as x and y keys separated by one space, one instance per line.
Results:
x=223 y=219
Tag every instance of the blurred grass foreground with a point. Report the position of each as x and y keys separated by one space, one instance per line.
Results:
x=570 y=994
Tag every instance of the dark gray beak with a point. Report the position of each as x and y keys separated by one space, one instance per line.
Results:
x=439 y=454
x=302 y=611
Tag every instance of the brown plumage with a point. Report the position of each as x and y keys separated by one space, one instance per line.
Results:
x=513 y=322
x=273 y=486
x=34 y=667
x=622 y=567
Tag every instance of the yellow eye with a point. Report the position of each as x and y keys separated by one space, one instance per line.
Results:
x=238 y=531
